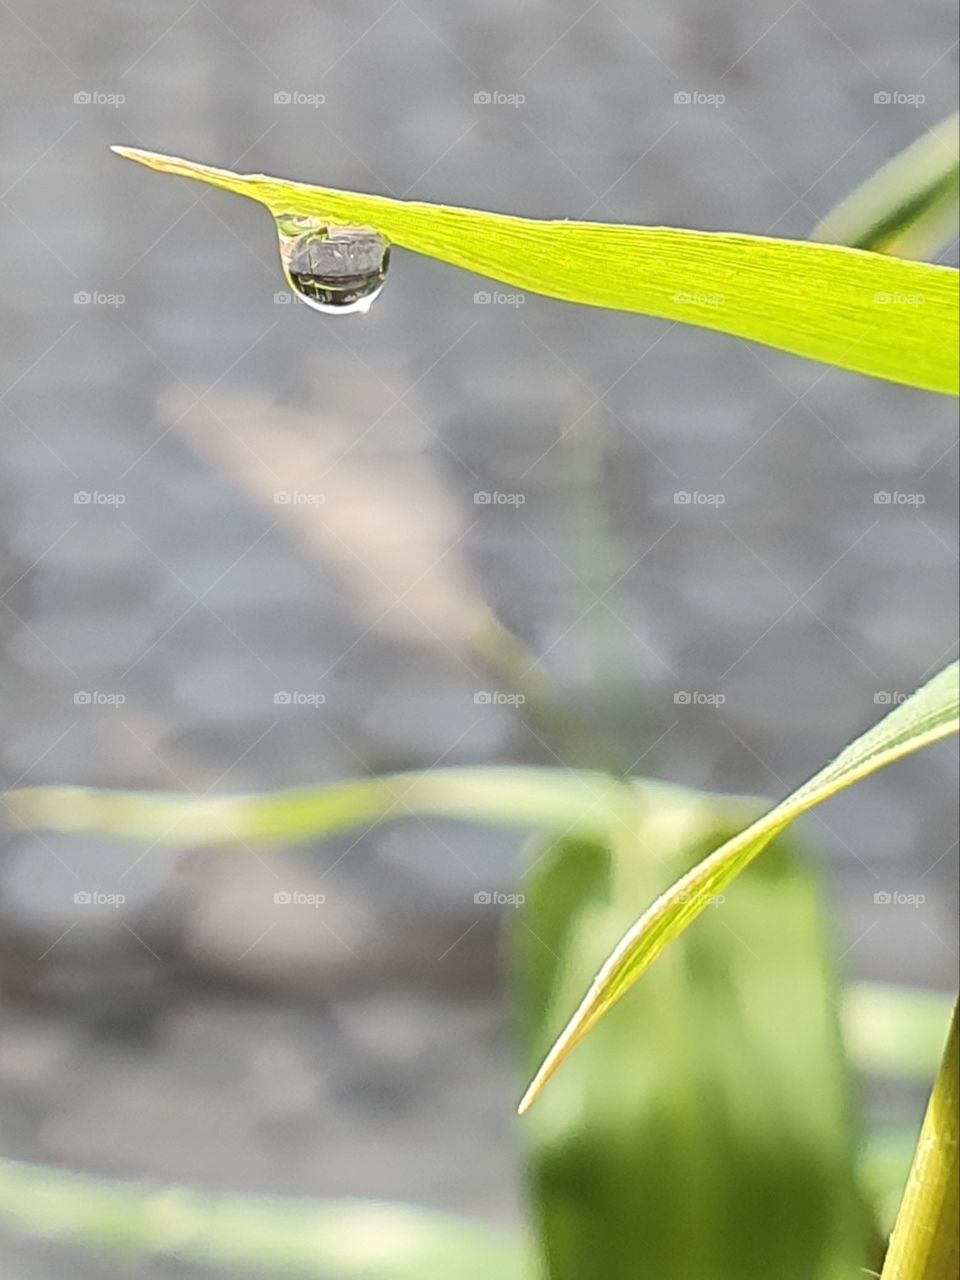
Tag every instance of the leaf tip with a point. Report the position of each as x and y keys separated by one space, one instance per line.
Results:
x=569 y=1038
x=529 y=1098
x=135 y=153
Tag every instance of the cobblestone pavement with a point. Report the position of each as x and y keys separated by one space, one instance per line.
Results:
x=157 y=598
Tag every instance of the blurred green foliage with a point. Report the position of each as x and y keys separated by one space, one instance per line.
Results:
x=705 y=1130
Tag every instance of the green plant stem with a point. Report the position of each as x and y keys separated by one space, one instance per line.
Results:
x=926 y=1239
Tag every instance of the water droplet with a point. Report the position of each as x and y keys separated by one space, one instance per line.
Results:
x=337 y=270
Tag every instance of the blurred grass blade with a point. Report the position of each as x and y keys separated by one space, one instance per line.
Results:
x=720 y=1143
x=873 y=314
x=927 y=716
x=332 y=1240
x=910 y=206
x=517 y=797
x=926 y=1239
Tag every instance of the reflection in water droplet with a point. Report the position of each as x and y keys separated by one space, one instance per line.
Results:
x=337 y=270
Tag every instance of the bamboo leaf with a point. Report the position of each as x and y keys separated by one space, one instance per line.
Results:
x=930 y=714
x=909 y=207
x=873 y=314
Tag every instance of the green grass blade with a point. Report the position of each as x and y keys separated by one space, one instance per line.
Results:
x=926 y=1239
x=873 y=314
x=910 y=206
x=927 y=716
x=326 y=1240
x=587 y=803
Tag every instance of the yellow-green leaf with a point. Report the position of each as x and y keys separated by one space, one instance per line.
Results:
x=877 y=315
x=930 y=714
x=926 y=1238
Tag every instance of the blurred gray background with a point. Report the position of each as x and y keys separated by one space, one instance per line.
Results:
x=201 y=1033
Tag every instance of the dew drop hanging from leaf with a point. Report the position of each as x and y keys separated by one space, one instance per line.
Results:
x=337 y=270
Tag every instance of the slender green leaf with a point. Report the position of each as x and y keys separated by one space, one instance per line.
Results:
x=516 y=797
x=332 y=1240
x=910 y=206
x=926 y=1239
x=873 y=314
x=719 y=1144
x=927 y=716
